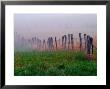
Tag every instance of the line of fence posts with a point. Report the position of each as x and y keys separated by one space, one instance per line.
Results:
x=67 y=43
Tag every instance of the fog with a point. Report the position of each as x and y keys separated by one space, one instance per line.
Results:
x=43 y=26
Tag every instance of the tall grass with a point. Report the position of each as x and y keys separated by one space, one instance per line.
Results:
x=58 y=63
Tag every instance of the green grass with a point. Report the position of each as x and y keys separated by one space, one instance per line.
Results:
x=60 y=63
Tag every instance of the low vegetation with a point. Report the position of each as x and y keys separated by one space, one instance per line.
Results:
x=57 y=63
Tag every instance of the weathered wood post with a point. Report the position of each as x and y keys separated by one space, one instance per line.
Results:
x=88 y=44
x=69 y=41
x=44 y=45
x=56 y=42
x=40 y=43
x=37 y=44
x=85 y=39
x=91 y=42
x=48 y=43
x=80 y=39
x=90 y=47
x=51 y=43
x=65 y=41
x=72 y=41
x=59 y=45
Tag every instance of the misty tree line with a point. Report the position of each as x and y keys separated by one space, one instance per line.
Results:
x=66 y=42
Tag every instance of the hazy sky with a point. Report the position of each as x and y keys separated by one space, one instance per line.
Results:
x=45 y=25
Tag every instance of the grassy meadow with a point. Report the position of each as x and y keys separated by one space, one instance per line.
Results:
x=56 y=63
